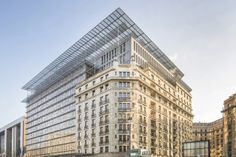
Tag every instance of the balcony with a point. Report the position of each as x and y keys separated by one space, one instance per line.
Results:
x=103 y=102
x=123 y=131
x=79 y=120
x=122 y=120
x=124 y=109
x=79 y=137
x=86 y=127
x=79 y=129
x=86 y=118
x=144 y=143
x=93 y=125
x=106 y=111
x=85 y=145
x=86 y=108
x=93 y=134
x=144 y=123
x=143 y=112
x=143 y=132
x=101 y=133
x=124 y=99
x=102 y=143
x=93 y=144
x=93 y=105
x=79 y=111
x=153 y=126
x=85 y=136
x=141 y=101
x=104 y=122
x=93 y=115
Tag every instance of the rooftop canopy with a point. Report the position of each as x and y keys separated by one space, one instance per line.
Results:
x=114 y=27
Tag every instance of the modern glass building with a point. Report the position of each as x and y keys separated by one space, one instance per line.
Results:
x=53 y=122
x=12 y=139
x=196 y=149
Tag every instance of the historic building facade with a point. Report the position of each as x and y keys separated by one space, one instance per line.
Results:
x=214 y=132
x=229 y=113
x=131 y=105
x=111 y=91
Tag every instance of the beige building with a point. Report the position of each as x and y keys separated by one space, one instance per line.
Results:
x=229 y=112
x=134 y=106
x=213 y=132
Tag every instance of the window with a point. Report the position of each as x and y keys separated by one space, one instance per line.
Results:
x=106 y=149
x=101 y=149
x=107 y=76
x=93 y=93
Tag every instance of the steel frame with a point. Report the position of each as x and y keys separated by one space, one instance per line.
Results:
x=114 y=28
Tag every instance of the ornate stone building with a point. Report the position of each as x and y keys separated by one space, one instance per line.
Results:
x=213 y=132
x=229 y=112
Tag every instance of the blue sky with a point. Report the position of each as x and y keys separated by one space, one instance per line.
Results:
x=198 y=35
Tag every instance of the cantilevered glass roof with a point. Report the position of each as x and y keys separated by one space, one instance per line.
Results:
x=113 y=28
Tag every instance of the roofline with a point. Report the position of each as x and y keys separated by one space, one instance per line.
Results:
x=13 y=123
x=82 y=48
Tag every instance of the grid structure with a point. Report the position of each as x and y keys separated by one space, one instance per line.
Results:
x=117 y=24
x=196 y=149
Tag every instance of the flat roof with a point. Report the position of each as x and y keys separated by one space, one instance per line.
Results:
x=115 y=26
x=15 y=122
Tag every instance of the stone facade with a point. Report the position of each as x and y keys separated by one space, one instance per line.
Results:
x=213 y=132
x=133 y=106
x=229 y=112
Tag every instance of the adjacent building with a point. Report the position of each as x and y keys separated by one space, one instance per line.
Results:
x=12 y=139
x=112 y=91
x=213 y=132
x=229 y=112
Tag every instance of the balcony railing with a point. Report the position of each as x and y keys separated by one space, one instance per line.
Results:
x=93 y=125
x=104 y=122
x=93 y=105
x=122 y=120
x=102 y=102
x=106 y=111
x=85 y=136
x=124 y=109
x=143 y=122
x=141 y=101
x=103 y=132
x=93 y=144
x=143 y=133
x=93 y=134
x=86 y=127
x=124 y=99
x=86 y=118
x=143 y=143
x=93 y=115
x=86 y=108
x=123 y=131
